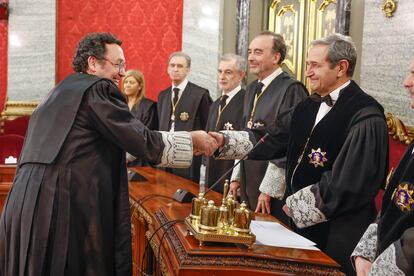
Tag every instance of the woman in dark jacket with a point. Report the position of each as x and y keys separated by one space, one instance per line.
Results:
x=145 y=110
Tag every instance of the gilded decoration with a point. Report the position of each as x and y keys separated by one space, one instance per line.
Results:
x=389 y=7
x=398 y=130
x=288 y=20
x=14 y=109
x=326 y=18
x=138 y=212
x=155 y=247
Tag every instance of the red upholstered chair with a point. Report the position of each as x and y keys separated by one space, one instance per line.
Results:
x=10 y=145
x=400 y=136
x=16 y=126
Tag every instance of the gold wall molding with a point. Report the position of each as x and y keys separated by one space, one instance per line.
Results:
x=398 y=130
x=389 y=8
x=288 y=19
x=14 y=109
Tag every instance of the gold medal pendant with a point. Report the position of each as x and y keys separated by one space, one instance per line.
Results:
x=317 y=157
x=172 y=117
x=403 y=197
x=184 y=116
x=249 y=124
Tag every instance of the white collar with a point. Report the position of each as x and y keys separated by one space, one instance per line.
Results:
x=232 y=93
x=335 y=94
x=181 y=86
x=266 y=81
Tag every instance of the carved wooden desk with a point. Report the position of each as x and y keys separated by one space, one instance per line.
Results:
x=180 y=252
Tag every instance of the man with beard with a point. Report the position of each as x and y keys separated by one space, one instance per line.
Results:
x=68 y=210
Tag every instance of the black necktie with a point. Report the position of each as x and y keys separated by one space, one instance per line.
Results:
x=259 y=87
x=175 y=99
x=223 y=102
x=317 y=98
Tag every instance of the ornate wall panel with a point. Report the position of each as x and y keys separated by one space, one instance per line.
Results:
x=3 y=63
x=287 y=18
x=150 y=31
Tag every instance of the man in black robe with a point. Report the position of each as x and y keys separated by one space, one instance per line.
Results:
x=336 y=145
x=67 y=212
x=225 y=114
x=387 y=246
x=183 y=106
x=272 y=93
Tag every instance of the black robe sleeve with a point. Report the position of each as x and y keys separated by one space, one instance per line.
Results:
x=113 y=120
x=355 y=178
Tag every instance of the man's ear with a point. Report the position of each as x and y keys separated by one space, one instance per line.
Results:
x=242 y=75
x=92 y=63
x=343 y=67
x=277 y=57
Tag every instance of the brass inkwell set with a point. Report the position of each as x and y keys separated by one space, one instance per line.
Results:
x=228 y=223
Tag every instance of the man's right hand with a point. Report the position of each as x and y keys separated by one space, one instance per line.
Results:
x=203 y=143
x=263 y=204
x=234 y=186
x=219 y=138
x=362 y=266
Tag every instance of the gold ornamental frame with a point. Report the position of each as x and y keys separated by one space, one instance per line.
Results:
x=14 y=109
x=277 y=14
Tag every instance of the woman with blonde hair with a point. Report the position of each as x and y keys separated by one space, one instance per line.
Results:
x=145 y=110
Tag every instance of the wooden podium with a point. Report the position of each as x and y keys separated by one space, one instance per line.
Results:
x=180 y=252
x=152 y=206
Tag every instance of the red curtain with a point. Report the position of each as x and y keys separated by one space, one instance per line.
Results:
x=3 y=62
x=150 y=31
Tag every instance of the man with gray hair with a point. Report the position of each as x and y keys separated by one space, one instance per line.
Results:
x=183 y=106
x=336 y=144
x=225 y=113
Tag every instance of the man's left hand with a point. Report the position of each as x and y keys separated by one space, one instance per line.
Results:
x=286 y=210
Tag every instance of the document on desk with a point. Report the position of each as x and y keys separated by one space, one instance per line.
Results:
x=274 y=234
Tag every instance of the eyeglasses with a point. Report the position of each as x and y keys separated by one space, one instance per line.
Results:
x=121 y=66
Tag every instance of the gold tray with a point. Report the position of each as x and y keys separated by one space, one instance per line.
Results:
x=204 y=236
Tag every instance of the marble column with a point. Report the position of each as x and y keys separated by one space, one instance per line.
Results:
x=202 y=40
x=387 y=49
x=31 y=49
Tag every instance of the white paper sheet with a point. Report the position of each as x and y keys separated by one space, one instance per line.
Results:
x=274 y=234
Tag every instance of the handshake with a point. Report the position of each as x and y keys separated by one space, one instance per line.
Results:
x=206 y=143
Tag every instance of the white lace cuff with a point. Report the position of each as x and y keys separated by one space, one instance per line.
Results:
x=302 y=206
x=178 y=149
x=237 y=144
x=273 y=183
x=235 y=175
x=367 y=245
x=385 y=264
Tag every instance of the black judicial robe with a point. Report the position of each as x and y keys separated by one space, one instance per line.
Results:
x=282 y=94
x=146 y=112
x=191 y=114
x=396 y=224
x=68 y=210
x=230 y=119
x=354 y=133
